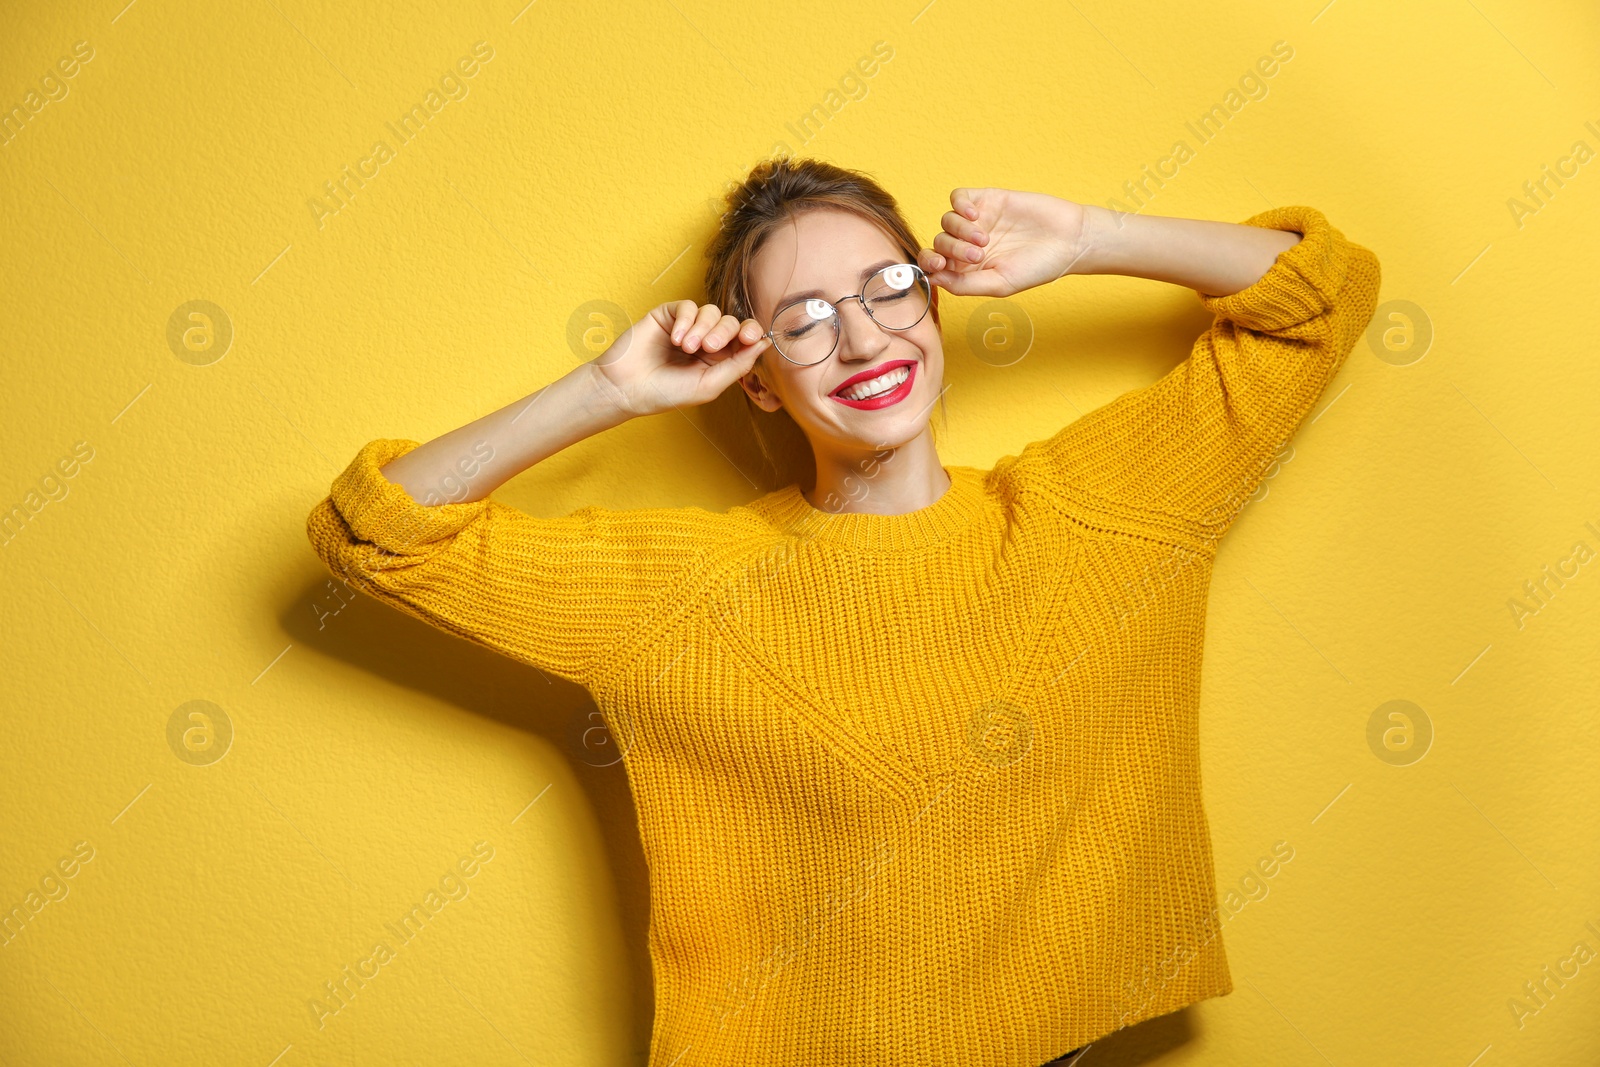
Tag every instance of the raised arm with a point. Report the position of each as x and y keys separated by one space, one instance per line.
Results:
x=412 y=525
x=997 y=242
x=1179 y=457
x=1212 y=258
x=472 y=461
x=657 y=364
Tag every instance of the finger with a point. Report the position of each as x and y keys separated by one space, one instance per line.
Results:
x=954 y=248
x=708 y=317
x=705 y=318
x=750 y=331
x=683 y=313
x=965 y=201
x=721 y=334
x=736 y=364
x=739 y=347
x=958 y=226
x=936 y=265
x=977 y=282
x=683 y=318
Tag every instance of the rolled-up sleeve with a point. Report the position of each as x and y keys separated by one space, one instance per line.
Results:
x=1194 y=446
x=555 y=593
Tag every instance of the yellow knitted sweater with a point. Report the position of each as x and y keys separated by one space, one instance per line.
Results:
x=914 y=789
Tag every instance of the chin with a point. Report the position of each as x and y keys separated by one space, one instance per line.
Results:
x=894 y=432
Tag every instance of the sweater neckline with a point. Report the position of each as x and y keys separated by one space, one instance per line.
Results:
x=958 y=508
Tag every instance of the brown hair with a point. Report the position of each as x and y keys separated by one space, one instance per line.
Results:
x=777 y=191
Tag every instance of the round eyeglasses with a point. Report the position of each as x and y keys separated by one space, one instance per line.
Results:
x=806 y=331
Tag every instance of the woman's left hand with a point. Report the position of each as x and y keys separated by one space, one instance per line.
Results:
x=1001 y=241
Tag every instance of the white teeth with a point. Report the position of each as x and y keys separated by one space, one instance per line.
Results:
x=883 y=383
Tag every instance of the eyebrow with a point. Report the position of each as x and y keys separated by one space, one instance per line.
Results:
x=866 y=272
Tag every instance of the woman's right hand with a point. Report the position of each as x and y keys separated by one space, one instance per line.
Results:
x=679 y=355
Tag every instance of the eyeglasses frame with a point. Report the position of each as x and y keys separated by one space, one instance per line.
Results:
x=861 y=298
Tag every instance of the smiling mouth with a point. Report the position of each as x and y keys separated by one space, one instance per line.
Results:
x=889 y=387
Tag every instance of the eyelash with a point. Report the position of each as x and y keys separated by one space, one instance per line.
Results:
x=888 y=298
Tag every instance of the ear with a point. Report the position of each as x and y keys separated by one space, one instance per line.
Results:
x=755 y=386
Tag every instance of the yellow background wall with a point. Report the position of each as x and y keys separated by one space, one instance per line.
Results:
x=369 y=754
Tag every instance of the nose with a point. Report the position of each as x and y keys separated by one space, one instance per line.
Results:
x=860 y=336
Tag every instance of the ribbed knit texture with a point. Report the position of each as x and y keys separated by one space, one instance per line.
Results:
x=921 y=788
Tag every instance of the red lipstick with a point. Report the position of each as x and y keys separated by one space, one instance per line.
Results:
x=883 y=400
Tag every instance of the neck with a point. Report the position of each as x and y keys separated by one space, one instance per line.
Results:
x=884 y=481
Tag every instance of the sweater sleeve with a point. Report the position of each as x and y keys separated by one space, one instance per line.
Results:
x=555 y=593
x=1194 y=446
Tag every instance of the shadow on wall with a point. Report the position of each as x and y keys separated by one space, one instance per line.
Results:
x=406 y=651
x=1141 y=1043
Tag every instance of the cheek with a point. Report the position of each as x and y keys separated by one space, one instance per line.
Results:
x=932 y=347
x=790 y=388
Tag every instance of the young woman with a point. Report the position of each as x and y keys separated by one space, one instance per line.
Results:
x=914 y=746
